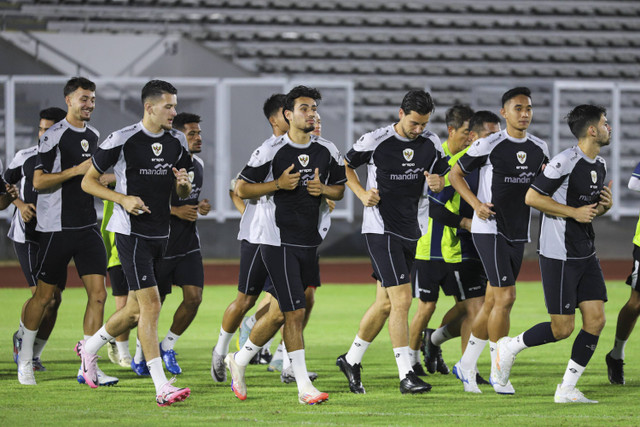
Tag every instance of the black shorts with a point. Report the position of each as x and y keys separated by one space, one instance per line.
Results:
x=27 y=254
x=180 y=270
x=253 y=273
x=119 y=285
x=567 y=283
x=291 y=269
x=57 y=249
x=501 y=258
x=470 y=279
x=632 y=280
x=391 y=258
x=427 y=277
x=139 y=258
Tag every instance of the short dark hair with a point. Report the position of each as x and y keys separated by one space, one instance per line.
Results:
x=273 y=104
x=54 y=114
x=583 y=116
x=512 y=93
x=457 y=115
x=78 y=82
x=299 y=92
x=155 y=89
x=479 y=118
x=183 y=118
x=419 y=101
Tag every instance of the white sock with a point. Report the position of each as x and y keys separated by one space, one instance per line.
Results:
x=21 y=329
x=169 y=341
x=123 y=348
x=139 y=356
x=278 y=354
x=572 y=375
x=38 y=346
x=224 y=338
x=299 y=366
x=403 y=361
x=26 y=349
x=286 y=359
x=251 y=321
x=492 y=351
x=472 y=353
x=414 y=355
x=357 y=350
x=95 y=343
x=516 y=344
x=246 y=353
x=157 y=373
x=440 y=336
x=618 y=349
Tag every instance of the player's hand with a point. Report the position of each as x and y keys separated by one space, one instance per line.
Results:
x=370 y=197
x=586 y=213
x=83 y=167
x=466 y=224
x=186 y=212
x=134 y=205
x=107 y=179
x=484 y=211
x=606 y=197
x=27 y=211
x=182 y=177
x=331 y=204
x=288 y=180
x=315 y=187
x=13 y=191
x=434 y=181
x=204 y=207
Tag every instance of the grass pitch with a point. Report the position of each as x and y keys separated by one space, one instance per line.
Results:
x=59 y=399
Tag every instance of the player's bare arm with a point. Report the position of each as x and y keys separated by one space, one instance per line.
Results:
x=606 y=199
x=183 y=185
x=91 y=184
x=546 y=204
x=287 y=181
x=27 y=210
x=315 y=187
x=186 y=212
x=434 y=181
x=368 y=198
x=204 y=207
x=42 y=180
x=456 y=177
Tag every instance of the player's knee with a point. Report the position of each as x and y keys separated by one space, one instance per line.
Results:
x=245 y=302
x=98 y=296
x=562 y=330
x=192 y=302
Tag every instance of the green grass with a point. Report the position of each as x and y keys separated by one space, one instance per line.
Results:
x=59 y=399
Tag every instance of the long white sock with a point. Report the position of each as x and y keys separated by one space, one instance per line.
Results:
x=299 y=366
x=95 y=343
x=251 y=321
x=357 y=350
x=414 y=356
x=618 y=349
x=403 y=361
x=157 y=373
x=572 y=374
x=278 y=354
x=492 y=351
x=21 y=330
x=38 y=346
x=516 y=344
x=123 y=348
x=246 y=353
x=472 y=353
x=26 y=349
x=224 y=338
x=286 y=359
x=440 y=336
x=139 y=356
x=169 y=341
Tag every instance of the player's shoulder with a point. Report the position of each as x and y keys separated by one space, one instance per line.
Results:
x=267 y=150
x=94 y=130
x=22 y=156
x=198 y=160
x=120 y=137
x=52 y=136
x=433 y=139
x=564 y=162
x=539 y=142
x=377 y=136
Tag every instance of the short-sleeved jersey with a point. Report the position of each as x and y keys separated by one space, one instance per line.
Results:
x=571 y=178
x=396 y=166
x=291 y=217
x=142 y=162
x=65 y=206
x=507 y=166
x=634 y=184
x=20 y=170
x=184 y=238
x=450 y=244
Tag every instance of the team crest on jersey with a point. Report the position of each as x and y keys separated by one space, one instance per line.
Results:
x=594 y=176
x=303 y=159
x=522 y=157
x=157 y=148
x=85 y=145
x=408 y=154
x=191 y=176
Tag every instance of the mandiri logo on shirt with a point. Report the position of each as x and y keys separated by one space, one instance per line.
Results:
x=157 y=148
x=303 y=159
x=408 y=154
